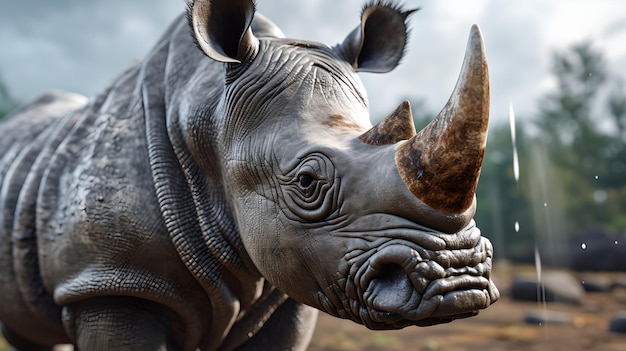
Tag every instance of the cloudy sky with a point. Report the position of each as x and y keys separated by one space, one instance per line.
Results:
x=80 y=45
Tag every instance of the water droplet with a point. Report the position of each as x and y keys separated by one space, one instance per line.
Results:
x=545 y=204
x=514 y=142
x=596 y=177
x=515 y=165
x=538 y=263
x=516 y=226
x=600 y=196
x=616 y=242
x=583 y=246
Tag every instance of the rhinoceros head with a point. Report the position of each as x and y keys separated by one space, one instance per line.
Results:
x=370 y=224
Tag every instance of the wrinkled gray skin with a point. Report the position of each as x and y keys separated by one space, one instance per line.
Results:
x=203 y=204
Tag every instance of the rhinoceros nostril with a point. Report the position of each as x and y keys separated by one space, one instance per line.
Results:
x=391 y=274
x=390 y=289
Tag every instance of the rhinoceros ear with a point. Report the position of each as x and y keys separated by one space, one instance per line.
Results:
x=377 y=45
x=222 y=29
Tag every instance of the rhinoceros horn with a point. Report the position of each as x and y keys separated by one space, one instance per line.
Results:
x=441 y=164
x=397 y=126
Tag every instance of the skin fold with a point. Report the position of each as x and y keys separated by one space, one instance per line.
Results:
x=229 y=185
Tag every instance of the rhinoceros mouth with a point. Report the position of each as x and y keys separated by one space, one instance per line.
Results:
x=400 y=283
x=397 y=305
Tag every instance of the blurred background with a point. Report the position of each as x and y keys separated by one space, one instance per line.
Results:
x=552 y=195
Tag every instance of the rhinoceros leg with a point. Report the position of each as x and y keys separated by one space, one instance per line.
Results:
x=290 y=328
x=119 y=323
x=18 y=343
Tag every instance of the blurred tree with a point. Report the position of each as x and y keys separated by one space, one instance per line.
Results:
x=584 y=164
x=615 y=154
x=566 y=122
x=617 y=108
x=504 y=211
x=573 y=172
x=616 y=157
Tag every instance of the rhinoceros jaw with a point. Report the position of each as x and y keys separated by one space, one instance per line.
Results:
x=441 y=164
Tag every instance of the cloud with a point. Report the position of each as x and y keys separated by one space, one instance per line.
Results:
x=76 y=45
x=81 y=46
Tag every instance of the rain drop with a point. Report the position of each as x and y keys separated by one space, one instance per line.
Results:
x=516 y=226
x=600 y=196
x=615 y=242
x=545 y=204
x=583 y=246
x=596 y=177
x=514 y=142
x=516 y=165
x=538 y=263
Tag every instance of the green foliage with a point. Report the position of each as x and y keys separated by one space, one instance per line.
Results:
x=501 y=198
x=566 y=121
x=588 y=161
x=573 y=173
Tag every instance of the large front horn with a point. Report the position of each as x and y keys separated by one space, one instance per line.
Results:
x=441 y=164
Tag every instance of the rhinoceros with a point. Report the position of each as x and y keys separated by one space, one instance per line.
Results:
x=231 y=184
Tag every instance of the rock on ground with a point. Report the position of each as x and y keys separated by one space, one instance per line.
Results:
x=618 y=323
x=554 y=286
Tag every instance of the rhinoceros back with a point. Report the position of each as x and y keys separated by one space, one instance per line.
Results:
x=94 y=204
x=26 y=134
x=79 y=217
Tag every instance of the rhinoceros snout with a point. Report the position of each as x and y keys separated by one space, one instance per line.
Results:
x=390 y=290
x=401 y=285
x=386 y=282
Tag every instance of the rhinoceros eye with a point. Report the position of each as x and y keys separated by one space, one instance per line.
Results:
x=305 y=180
x=308 y=189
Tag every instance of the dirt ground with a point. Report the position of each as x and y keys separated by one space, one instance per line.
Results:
x=500 y=327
